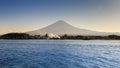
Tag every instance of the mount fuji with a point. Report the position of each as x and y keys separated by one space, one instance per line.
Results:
x=61 y=27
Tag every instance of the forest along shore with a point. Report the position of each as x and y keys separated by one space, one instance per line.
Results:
x=59 y=37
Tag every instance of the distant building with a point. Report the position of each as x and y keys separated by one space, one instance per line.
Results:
x=53 y=36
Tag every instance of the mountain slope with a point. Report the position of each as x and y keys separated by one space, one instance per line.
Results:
x=61 y=27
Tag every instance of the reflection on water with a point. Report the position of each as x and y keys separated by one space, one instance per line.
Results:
x=59 y=54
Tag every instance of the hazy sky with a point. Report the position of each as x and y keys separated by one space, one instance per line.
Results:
x=27 y=15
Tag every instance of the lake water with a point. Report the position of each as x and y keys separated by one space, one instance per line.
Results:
x=59 y=54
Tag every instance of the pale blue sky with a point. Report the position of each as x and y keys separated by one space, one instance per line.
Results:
x=27 y=15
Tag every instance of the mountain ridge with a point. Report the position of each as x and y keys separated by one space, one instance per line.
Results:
x=61 y=27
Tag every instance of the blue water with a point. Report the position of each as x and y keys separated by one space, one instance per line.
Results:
x=59 y=54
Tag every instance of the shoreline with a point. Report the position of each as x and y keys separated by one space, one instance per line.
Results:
x=60 y=39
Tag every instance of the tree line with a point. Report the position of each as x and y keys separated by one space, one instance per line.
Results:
x=62 y=37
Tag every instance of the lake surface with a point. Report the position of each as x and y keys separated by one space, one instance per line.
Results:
x=59 y=54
